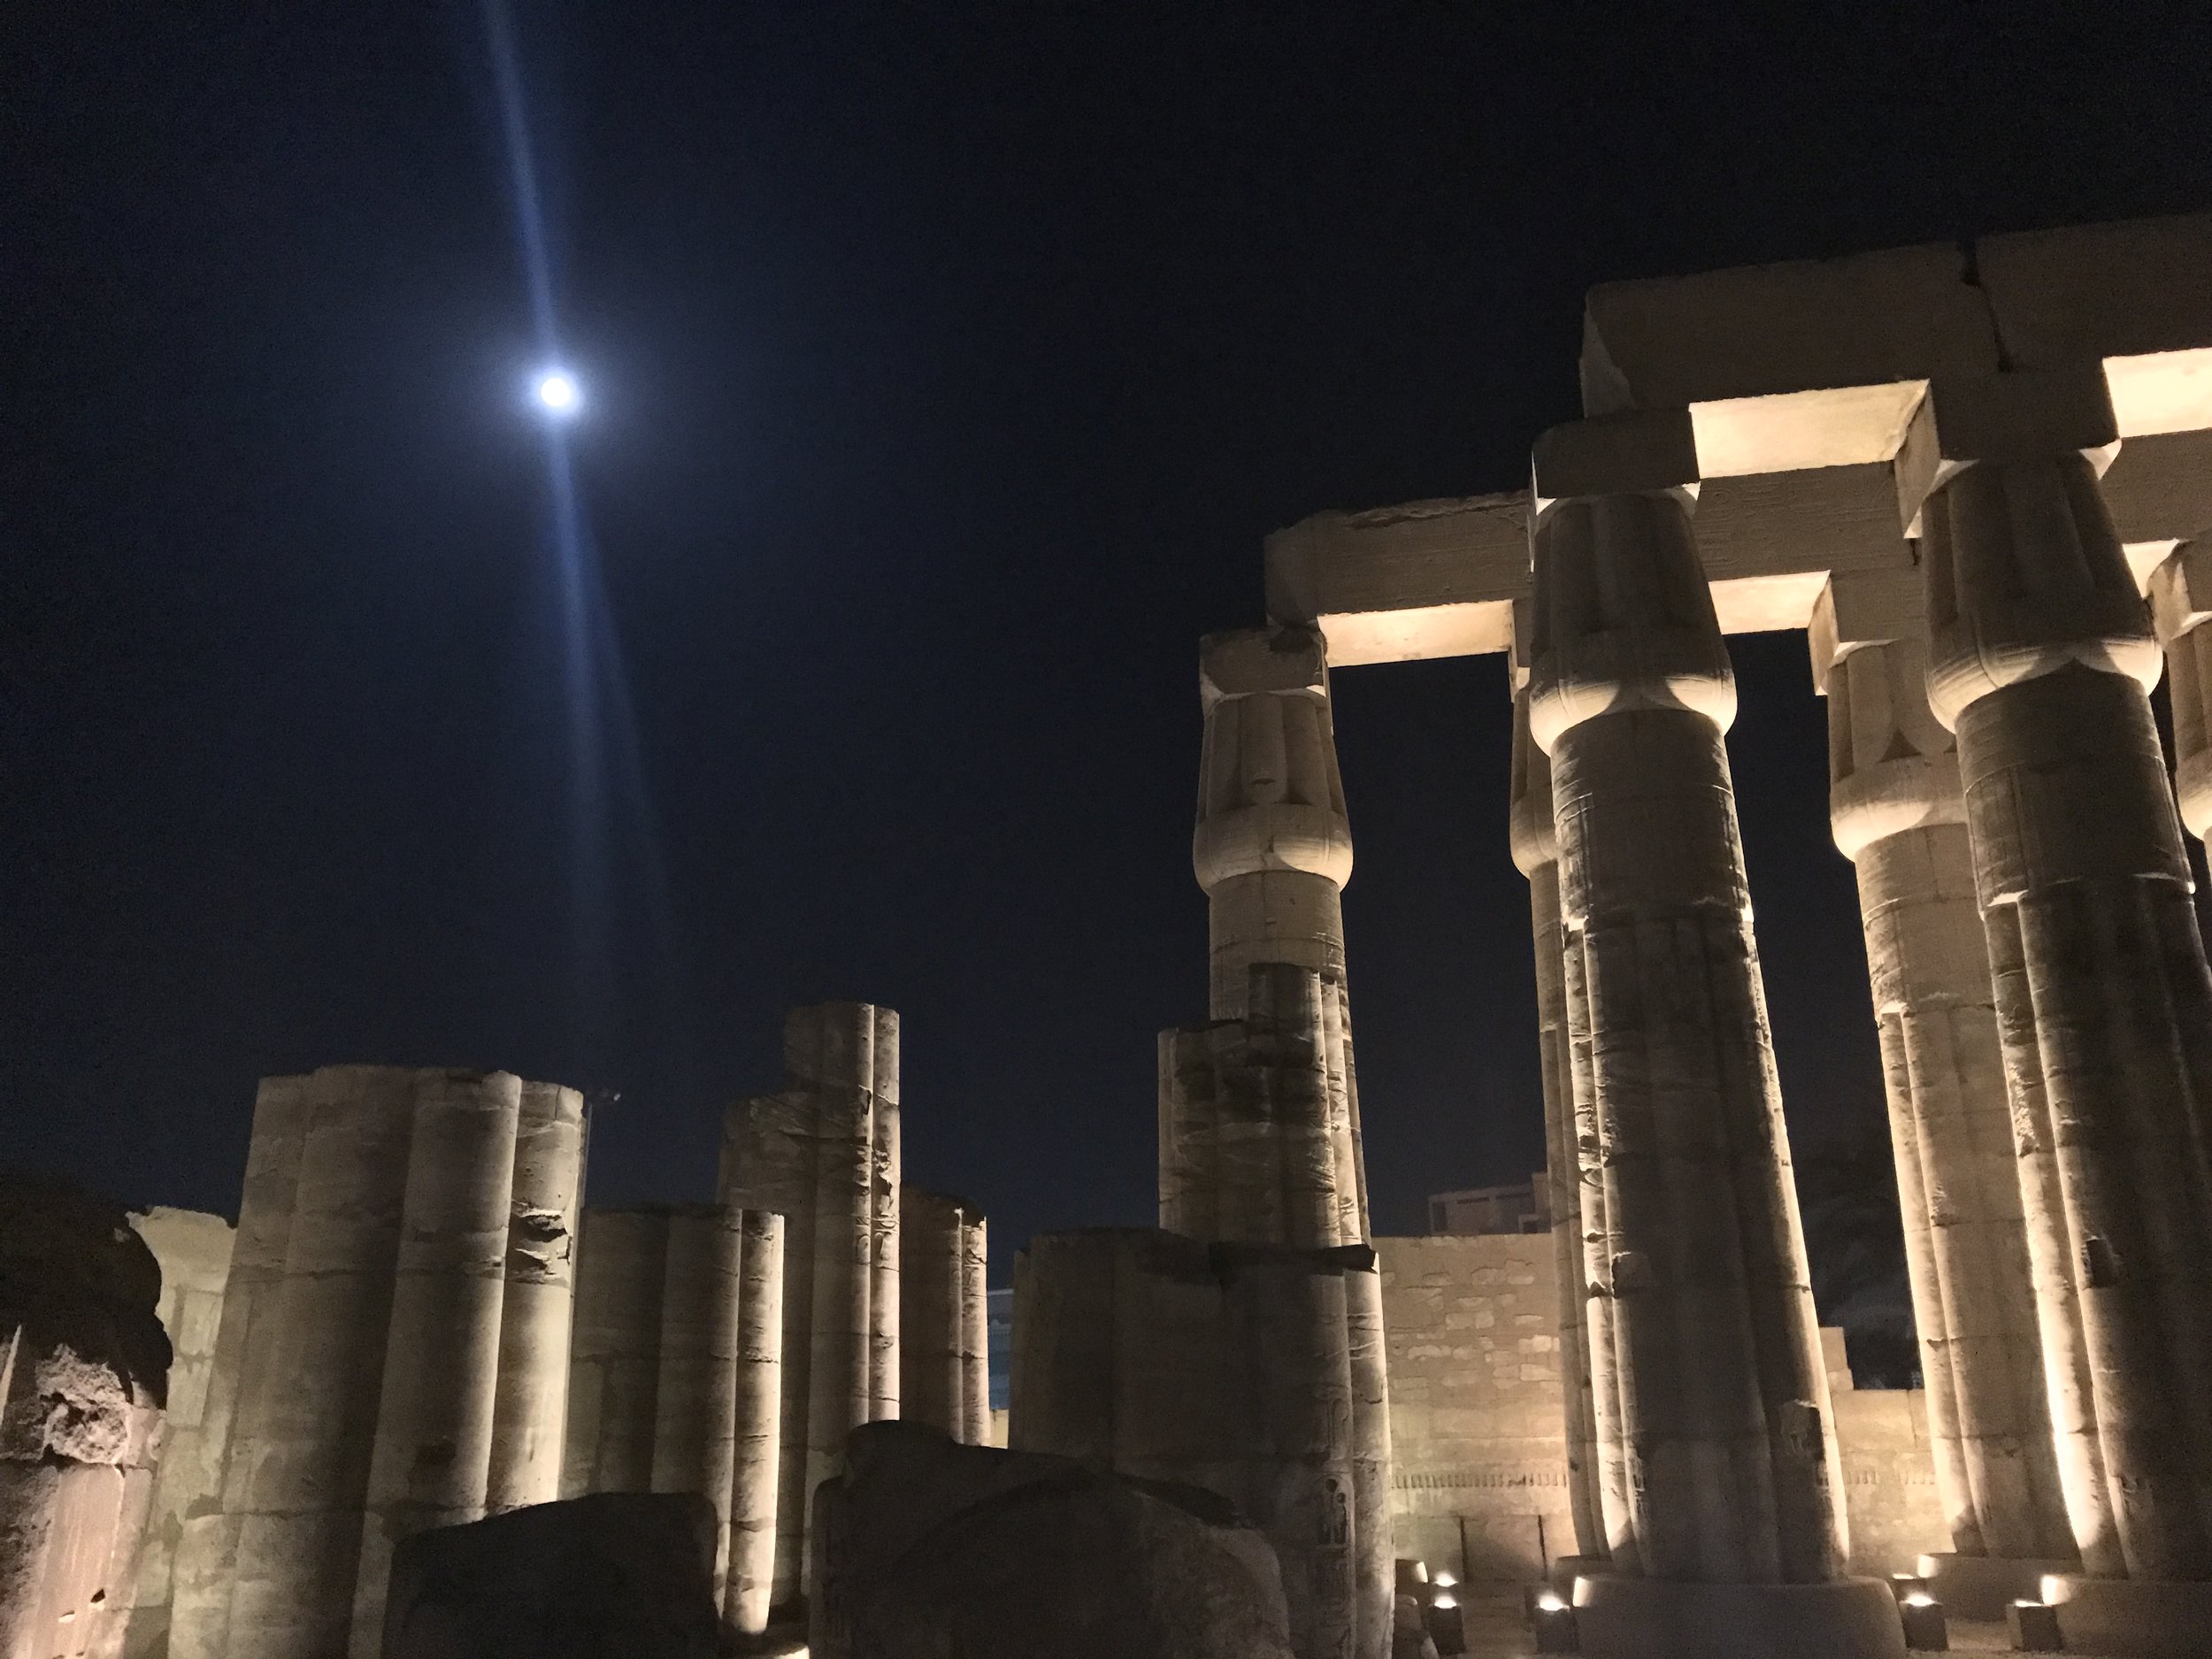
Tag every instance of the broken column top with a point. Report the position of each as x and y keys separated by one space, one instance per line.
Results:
x=842 y=1046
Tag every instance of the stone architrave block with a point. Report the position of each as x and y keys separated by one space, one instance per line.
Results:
x=2025 y=416
x=1612 y=455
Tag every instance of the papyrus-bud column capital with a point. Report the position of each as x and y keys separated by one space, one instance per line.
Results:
x=1733 y=1475
x=1273 y=847
x=2041 y=659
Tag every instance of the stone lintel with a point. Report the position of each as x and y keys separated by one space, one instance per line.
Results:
x=2038 y=299
x=2181 y=591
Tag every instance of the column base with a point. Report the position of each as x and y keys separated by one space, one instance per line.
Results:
x=1982 y=1586
x=2143 y=1618
x=1564 y=1569
x=1661 y=1618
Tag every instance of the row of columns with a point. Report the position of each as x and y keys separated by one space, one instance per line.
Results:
x=366 y=1383
x=823 y=1152
x=2040 y=988
x=675 y=1377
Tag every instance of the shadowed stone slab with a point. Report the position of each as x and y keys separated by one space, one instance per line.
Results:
x=613 y=1575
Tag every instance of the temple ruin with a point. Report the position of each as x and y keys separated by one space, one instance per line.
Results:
x=1978 y=478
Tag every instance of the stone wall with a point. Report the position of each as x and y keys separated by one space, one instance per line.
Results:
x=1478 y=1454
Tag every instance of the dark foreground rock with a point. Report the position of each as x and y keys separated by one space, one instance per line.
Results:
x=617 y=1575
x=925 y=1548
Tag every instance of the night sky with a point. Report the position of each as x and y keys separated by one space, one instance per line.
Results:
x=946 y=368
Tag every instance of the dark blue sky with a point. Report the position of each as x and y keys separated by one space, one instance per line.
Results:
x=949 y=367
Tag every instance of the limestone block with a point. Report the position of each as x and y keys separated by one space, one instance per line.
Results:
x=610 y=1576
x=926 y=1548
x=84 y=1368
x=1397 y=584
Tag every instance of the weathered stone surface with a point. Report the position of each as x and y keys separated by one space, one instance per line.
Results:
x=84 y=1367
x=944 y=1344
x=926 y=1548
x=610 y=1576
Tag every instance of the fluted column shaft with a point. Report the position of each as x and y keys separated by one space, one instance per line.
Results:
x=1899 y=815
x=2041 y=660
x=1733 y=1471
x=1536 y=854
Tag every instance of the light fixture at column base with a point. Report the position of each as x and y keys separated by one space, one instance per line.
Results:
x=1659 y=1618
x=2144 y=1618
x=1982 y=1586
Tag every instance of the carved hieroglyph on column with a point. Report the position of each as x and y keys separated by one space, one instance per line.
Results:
x=825 y=1153
x=2041 y=660
x=1899 y=816
x=1536 y=854
x=1733 y=1474
x=1273 y=849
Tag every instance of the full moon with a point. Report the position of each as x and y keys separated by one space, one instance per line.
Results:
x=557 y=392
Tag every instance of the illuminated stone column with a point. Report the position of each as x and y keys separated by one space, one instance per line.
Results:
x=2041 y=659
x=757 y=1426
x=823 y=1152
x=1733 y=1474
x=1899 y=816
x=539 y=1300
x=944 y=1342
x=1273 y=848
x=1247 y=1149
x=431 y=1461
x=2181 y=604
x=1536 y=854
x=207 y=1547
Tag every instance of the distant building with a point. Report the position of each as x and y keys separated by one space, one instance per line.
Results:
x=1484 y=1209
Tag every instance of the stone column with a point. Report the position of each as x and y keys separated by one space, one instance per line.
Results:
x=1273 y=848
x=930 y=1314
x=757 y=1426
x=614 y=1368
x=1733 y=1474
x=694 y=1396
x=84 y=1366
x=1899 y=816
x=194 y=1250
x=1248 y=1150
x=207 y=1546
x=1536 y=855
x=2181 y=604
x=538 y=1299
x=975 y=1330
x=944 y=1340
x=822 y=1152
x=305 y=1434
x=2041 y=659
x=432 y=1456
